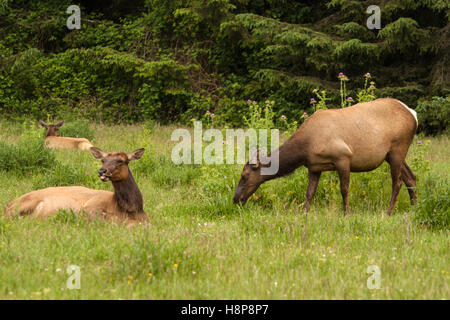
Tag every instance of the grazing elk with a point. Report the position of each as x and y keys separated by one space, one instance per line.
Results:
x=353 y=139
x=54 y=141
x=124 y=204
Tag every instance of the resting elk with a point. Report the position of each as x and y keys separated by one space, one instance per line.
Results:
x=353 y=139
x=125 y=204
x=54 y=141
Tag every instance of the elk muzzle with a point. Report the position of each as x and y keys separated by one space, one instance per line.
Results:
x=103 y=174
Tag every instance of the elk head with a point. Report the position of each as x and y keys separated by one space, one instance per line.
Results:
x=52 y=129
x=115 y=164
x=250 y=181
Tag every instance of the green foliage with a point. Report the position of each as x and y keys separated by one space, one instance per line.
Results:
x=172 y=61
x=433 y=209
x=77 y=129
x=405 y=36
x=353 y=30
x=291 y=126
x=357 y=54
x=321 y=103
x=163 y=172
x=28 y=155
x=368 y=92
x=61 y=175
x=128 y=88
x=409 y=94
x=364 y=95
x=434 y=115
x=260 y=115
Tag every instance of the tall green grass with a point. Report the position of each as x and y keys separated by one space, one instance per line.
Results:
x=28 y=155
x=77 y=129
x=200 y=245
x=433 y=209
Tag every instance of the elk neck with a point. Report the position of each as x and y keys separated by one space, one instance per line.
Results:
x=50 y=134
x=291 y=155
x=128 y=196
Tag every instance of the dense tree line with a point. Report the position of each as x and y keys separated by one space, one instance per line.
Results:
x=173 y=60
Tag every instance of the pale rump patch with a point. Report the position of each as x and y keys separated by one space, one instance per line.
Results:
x=413 y=112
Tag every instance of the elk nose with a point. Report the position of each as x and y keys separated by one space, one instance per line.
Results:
x=238 y=199
x=101 y=172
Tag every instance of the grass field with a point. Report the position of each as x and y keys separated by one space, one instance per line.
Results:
x=199 y=245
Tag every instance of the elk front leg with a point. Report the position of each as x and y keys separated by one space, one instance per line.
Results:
x=313 y=182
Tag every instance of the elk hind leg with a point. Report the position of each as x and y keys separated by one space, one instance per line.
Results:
x=409 y=178
x=395 y=161
x=343 y=169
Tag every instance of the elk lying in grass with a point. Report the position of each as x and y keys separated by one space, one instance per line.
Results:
x=54 y=141
x=125 y=204
x=354 y=139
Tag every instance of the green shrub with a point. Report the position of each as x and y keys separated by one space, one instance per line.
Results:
x=434 y=115
x=433 y=209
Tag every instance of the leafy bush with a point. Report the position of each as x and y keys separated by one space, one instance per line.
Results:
x=126 y=88
x=172 y=61
x=434 y=115
x=433 y=209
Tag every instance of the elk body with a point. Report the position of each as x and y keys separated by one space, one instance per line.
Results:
x=54 y=141
x=124 y=204
x=353 y=139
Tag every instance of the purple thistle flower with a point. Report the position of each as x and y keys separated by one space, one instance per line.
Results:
x=350 y=99
x=341 y=73
x=312 y=99
x=212 y=115
x=283 y=117
x=419 y=142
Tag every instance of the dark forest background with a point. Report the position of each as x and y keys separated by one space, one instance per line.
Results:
x=171 y=61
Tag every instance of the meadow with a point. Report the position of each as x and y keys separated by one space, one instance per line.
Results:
x=200 y=245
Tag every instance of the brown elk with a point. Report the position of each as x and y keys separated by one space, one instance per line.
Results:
x=54 y=141
x=124 y=204
x=353 y=139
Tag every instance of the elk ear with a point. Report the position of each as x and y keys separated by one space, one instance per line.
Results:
x=59 y=124
x=256 y=165
x=136 y=154
x=97 y=153
x=42 y=123
x=254 y=159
